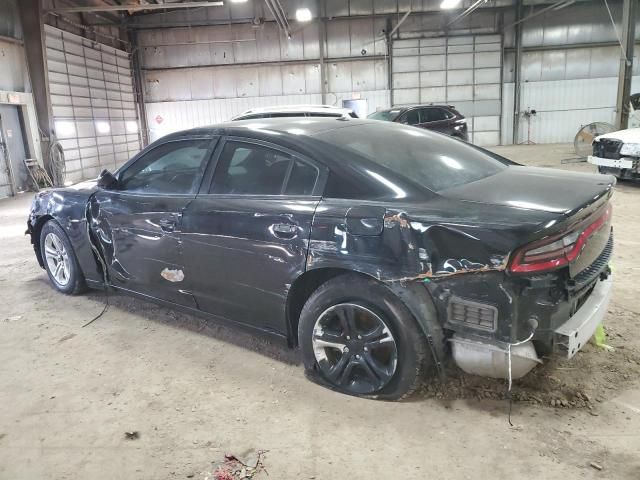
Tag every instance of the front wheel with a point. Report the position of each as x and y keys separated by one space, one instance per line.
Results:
x=358 y=338
x=60 y=260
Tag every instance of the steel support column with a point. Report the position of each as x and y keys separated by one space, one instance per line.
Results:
x=31 y=18
x=138 y=85
x=626 y=62
x=516 y=80
x=322 y=36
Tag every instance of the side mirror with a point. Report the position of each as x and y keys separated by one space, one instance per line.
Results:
x=107 y=180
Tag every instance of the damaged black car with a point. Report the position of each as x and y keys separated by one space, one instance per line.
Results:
x=382 y=251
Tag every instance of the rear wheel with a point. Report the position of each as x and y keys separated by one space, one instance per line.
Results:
x=358 y=338
x=60 y=260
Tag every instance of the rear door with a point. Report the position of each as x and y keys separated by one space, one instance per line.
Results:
x=246 y=235
x=138 y=223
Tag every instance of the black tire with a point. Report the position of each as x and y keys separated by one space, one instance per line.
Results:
x=75 y=283
x=412 y=354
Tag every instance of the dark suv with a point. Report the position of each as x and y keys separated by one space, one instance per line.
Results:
x=440 y=118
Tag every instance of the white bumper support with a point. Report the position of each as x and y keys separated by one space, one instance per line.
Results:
x=624 y=162
x=576 y=332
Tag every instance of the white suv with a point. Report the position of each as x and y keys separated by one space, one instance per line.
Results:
x=295 y=111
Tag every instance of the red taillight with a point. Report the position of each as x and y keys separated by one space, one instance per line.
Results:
x=556 y=251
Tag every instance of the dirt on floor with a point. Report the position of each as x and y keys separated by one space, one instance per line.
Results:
x=148 y=393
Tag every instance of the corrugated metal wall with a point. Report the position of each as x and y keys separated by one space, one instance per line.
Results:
x=13 y=74
x=93 y=105
x=569 y=72
x=205 y=74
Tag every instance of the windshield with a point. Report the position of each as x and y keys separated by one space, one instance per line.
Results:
x=432 y=160
x=387 y=115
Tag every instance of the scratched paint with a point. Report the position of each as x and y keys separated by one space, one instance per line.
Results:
x=173 y=275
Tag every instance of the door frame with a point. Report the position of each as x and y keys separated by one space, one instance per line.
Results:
x=26 y=106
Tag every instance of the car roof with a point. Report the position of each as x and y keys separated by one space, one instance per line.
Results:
x=295 y=109
x=285 y=126
x=409 y=107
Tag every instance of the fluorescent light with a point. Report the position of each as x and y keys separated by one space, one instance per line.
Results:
x=131 y=126
x=448 y=4
x=303 y=15
x=238 y=1
x=103 y=127
x=65 y=128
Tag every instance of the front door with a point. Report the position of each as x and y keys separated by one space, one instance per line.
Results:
x=138 y=223
x=246 y=237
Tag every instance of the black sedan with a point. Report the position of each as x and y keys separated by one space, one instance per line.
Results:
x=380 y=250
x=439 y=118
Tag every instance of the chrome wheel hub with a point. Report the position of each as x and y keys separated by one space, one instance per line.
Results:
x=57 y=259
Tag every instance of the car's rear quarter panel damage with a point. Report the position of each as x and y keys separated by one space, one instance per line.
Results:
x=424 y=261
x=436 y=260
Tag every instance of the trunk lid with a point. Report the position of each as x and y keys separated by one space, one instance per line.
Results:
x=541 y=189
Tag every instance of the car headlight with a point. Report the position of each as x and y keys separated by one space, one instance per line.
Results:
x=631 y=149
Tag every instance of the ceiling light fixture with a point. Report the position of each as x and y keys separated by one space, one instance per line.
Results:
x=304 y=15
x=239 y=1
x=449 y=4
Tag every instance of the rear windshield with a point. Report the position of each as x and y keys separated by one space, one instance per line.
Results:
x=387 y=115
x=432 y=160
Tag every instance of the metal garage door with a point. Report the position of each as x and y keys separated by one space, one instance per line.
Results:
x=93 y=103
x=463 y=71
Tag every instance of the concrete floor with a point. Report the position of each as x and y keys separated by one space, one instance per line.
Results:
x=194 y=391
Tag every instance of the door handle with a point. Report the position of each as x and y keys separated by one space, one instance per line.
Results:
x=167 y=225
x=284 y=229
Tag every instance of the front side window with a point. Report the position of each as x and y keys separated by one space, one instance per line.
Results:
x=433 y=114
x=412 y=117
x=250 y=169
x=386 y=115
x=172 y=168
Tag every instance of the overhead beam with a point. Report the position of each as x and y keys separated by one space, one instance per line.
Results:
x=626 y=62
x=134 y=7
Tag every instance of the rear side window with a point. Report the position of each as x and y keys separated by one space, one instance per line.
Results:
x=250 y=169
x=324 y=114
x=302 y=179
x=434 y=161
x=433 y=114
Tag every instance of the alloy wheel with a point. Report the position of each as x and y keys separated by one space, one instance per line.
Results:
x=57 y=258
x=354 y=348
